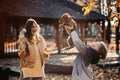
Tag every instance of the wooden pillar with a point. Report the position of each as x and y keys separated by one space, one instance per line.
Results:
x=117 y=34
x=108 y=32
x=117 y=38
x=58 y=38
x=82 y=31
x=2 y=33
x=104 y=31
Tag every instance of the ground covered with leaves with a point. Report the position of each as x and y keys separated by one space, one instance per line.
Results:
x=100 y=73
x=109 y=72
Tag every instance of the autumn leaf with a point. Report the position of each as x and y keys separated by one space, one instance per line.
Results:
x=88 y=8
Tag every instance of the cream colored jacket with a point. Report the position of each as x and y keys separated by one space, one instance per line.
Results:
x=26 y=51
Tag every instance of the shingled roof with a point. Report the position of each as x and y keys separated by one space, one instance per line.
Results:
x=45 y=9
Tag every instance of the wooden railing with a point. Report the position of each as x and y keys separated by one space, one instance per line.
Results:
x=10 y=47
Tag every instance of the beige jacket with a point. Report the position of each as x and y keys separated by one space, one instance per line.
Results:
x=26 y=51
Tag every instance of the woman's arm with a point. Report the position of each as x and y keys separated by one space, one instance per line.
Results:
x=46 y=51
x=78 y=43
x=21 y=46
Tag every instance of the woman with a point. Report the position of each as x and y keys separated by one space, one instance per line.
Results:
x=88 y=54
x=33 y=52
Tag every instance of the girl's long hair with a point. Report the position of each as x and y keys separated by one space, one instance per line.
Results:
x=28 y=27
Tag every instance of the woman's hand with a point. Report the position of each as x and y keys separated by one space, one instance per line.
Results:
x=47 y=51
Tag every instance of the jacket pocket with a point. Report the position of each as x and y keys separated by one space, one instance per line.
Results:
x=27 y=63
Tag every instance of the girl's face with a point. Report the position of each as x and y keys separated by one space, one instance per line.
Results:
x=34 y=29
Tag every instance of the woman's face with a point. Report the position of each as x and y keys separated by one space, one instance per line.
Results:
x=95 y=45
x=34 y=29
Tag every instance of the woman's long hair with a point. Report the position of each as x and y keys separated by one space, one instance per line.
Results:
x=28 y=27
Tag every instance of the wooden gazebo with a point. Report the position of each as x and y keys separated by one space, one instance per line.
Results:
x=16 y=12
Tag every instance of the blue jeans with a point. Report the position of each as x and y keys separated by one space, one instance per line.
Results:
x=37 y=78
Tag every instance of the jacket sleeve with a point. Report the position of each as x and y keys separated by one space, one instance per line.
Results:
x=78 y=43
x=21 y=46
x=45 y=50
